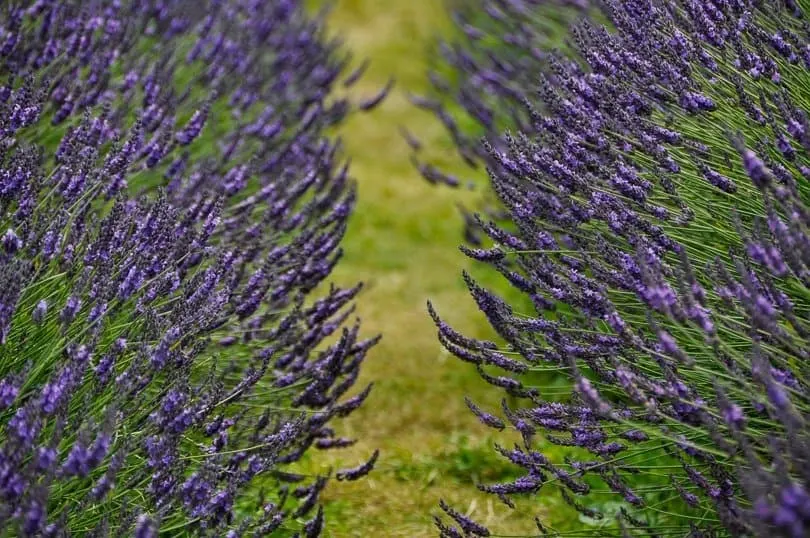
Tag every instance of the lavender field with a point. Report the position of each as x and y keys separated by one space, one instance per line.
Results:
x=360 y=268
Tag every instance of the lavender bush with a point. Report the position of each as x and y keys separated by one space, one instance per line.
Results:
x=169 y=203
x=481 y=77
x=657 y=195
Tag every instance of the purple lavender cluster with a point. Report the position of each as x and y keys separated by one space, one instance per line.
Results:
x=170 y=205
x=656 y=183
x=489 y=69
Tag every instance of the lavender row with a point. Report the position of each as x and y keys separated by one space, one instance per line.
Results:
x=655 y=184
x=170 y=205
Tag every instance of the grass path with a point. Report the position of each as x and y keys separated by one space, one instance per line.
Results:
x=402 y=242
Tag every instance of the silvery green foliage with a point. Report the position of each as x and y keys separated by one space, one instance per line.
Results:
x=169 y=202
x=656 y=192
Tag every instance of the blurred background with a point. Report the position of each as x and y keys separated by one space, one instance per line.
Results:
x=403 y=243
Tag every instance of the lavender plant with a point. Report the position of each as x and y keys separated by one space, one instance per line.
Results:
x=658 y=204
x=169 y=204
x=481 y=76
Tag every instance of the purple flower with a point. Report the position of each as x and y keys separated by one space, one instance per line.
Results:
x=147 y=270
x=660 y=297
x=490 y=420
x=733 y=415
x=71 y=308
x=24 y=427
x=359 y=471
x=467 y=525
x=145 y=527
x=677 y=310
x=755 y=168
x=670 y=347
x=9 y=390
x=11 y=242
x=193 y=127
x=84 y=457
x=35 y=518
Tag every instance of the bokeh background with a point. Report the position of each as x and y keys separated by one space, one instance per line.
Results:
x=402 y=242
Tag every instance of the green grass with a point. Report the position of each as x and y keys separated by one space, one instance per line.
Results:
x=402 y=242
